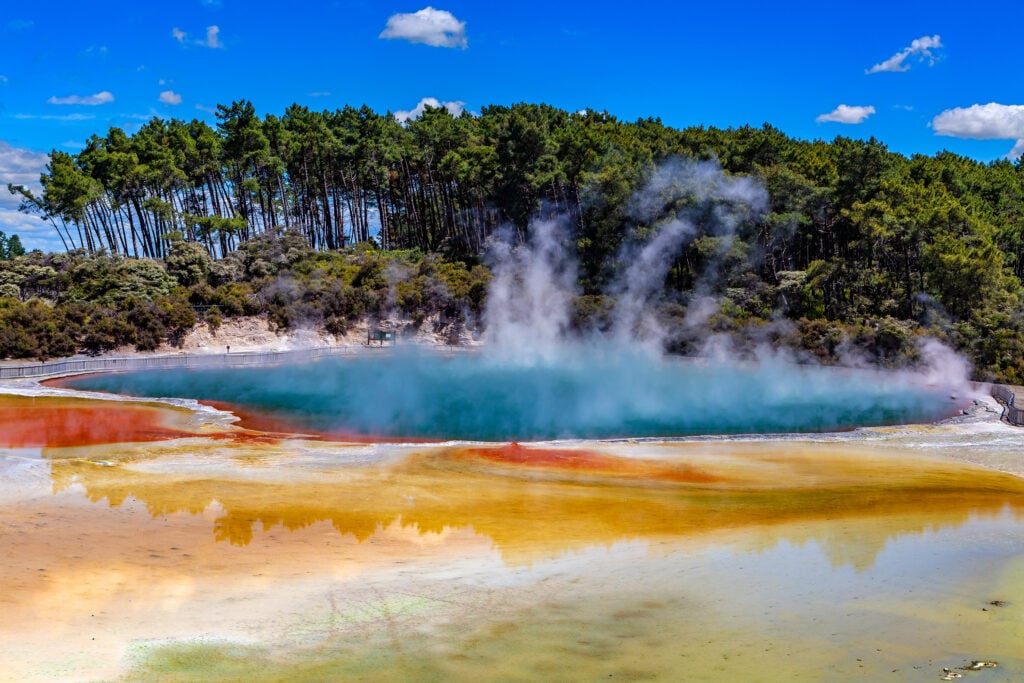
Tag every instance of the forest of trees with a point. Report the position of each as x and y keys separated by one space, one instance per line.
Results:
x=858 y=245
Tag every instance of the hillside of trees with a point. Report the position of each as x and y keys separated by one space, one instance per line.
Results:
x=322 y=217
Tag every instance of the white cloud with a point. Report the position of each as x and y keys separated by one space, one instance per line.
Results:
x=170 y=97
x=990 y=121
x=99 y=98
x=33 y=231
x=143 y=117
x=208 y=110
x=455 y=108
x=21 y=167
x=922 y=47
x=429 y=26
x=95 y=51
x=846 y=114
x=320 y=93
x=211 y=37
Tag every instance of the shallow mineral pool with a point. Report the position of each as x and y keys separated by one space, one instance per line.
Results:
x=589 y=393
x=187 y=549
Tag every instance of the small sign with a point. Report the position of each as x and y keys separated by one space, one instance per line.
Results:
x=380 y=336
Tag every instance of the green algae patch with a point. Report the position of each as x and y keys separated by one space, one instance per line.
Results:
x=196 y=661
x=192 y=662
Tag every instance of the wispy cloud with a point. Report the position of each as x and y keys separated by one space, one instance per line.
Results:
x=845 y=113
x=153 y=114
x=95 y=51
x=4 y=79
x=320 y=93
x=992 y=121
x=207 y=109
x=455 y=108
x=104 y=97
x=921 y=48
x=429 y=26
x=55 y=117
x=212 y=39
x=170 y=97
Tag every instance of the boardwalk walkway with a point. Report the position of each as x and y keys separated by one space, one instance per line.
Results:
x=1011 y=413
x=78 y=366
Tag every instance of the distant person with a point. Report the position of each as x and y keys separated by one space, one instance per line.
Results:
x=229 y=348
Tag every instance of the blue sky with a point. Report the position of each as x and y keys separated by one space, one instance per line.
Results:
x=920 y=77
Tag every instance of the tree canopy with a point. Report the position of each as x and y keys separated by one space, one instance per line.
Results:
x=10 y=247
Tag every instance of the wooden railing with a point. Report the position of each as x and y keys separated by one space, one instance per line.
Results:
x=79 y=366
x=1011 y=413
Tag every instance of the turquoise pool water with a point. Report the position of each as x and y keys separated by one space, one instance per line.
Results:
x=410 y=393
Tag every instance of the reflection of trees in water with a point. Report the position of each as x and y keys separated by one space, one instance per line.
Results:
x=528 y=518
x=856 y=537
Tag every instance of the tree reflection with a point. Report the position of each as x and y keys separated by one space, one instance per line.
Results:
x=852 y=504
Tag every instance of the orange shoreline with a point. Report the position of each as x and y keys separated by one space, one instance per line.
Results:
x=276 y=426
x=272 y=426
x=47 y=421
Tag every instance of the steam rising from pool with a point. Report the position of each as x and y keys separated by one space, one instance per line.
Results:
x=529 y=304
x=595 y=394
x=539 y=377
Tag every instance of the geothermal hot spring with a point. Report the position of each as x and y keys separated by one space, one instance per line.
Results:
x=587 y=394
x=535 y=509
x=412 y=515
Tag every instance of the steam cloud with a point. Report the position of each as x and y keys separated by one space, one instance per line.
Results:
x=528 y=304
x=529 y=307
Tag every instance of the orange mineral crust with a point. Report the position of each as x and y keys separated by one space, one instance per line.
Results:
x=585 y=462
x=60 y=422
x=357 y=490
x=306 y=560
